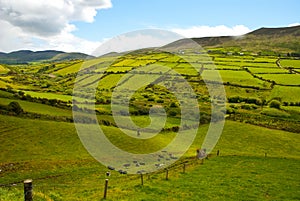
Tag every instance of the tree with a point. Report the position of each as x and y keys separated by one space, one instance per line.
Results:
x=15 y=107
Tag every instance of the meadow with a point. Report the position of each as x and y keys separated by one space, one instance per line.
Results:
x=63 y=170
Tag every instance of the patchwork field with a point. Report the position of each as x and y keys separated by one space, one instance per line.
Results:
x=259 y=151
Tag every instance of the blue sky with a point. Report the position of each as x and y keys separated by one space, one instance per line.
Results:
x=75 y=25
x=129 y=15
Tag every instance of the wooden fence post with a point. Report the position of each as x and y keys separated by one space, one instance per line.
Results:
x=28 y=190
x=142 y=179
x=183 y=168
x=167 y=174
x=218 y=152
x=105 y=189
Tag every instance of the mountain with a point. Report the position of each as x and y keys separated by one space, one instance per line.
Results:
x=270 y=40
x=284 y=39
x=26 y=56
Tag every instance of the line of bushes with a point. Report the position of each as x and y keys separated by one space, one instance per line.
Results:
x=52 y=102
x=249 y=100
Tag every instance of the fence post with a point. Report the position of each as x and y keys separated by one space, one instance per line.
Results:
x=142 y=179
x=167 y=174
x=28 y=190
x=105 y=189
x=183 y=167
x=218 y=152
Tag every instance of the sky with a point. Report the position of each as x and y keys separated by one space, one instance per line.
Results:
x=84 y=25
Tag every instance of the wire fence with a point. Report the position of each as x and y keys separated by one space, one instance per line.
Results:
x=35 y=189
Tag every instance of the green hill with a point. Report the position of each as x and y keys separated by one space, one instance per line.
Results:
x=259 y=151
x=27 y=56
x=279 y=40
x=62 y=169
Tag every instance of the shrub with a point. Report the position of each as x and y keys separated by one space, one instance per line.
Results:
x=15 y=107
x=173 y=104
x=230 y=110
x=173 y=113
x=275 y=104
x=246 y=107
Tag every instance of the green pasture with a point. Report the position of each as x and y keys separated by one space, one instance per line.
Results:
x=118 y=69
x=140 y=62
x=92 y=78
x=285 y=93
x=259 y=70
x=171 y=59
x=63 y=170
x=285 y=79
x=109 y=81
x=290 y=63
x=222 y=67
x=74 y=68
x=49 y=95
x=124 y=62
x=3 y=69
x=234 y=77
x=38 y=108
x=245 y=92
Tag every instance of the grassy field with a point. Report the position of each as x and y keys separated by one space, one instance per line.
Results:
x=289 y=94
x=286 y=79
x=49 y=95
x=38 y=108
x=290 y=63
x=63 y=170
x=234 y=77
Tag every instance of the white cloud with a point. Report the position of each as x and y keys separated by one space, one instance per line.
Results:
x=46 y=18
x=294 y=24
x=37 y=25
x=203 y=31
x=137 y=40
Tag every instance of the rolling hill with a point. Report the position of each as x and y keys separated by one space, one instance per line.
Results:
x=256 y=157
x=279 y=40
x=26 y=56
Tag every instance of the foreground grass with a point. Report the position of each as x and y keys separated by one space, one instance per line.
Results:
x=62 y=169
x=219 y=178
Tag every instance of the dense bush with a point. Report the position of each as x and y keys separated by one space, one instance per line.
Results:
x=173 y=104
x=275 y=104
x=250 y=100
x=15 y=107
x=173 y=113
x=230 y=110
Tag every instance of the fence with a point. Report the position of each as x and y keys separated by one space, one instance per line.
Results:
x=181 y=167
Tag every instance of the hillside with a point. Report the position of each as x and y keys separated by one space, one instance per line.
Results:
x=279 y=40
x=27 y=56
x=257 y=154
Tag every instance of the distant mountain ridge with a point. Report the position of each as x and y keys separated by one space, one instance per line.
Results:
x=26 y=56
x=280 y=40
x=284 y=39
